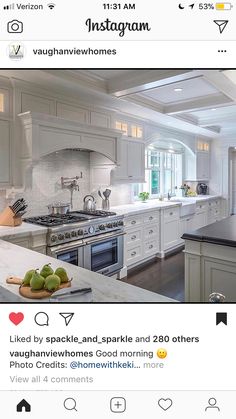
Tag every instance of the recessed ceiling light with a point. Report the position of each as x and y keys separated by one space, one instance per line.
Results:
x=214 y=109
x=178 y=89
x=171 y=150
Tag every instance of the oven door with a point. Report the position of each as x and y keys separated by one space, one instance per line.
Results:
x=69 y=252
x=105 y=254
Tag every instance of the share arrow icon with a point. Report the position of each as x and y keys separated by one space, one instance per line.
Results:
x=221 y=24
x=67 y=317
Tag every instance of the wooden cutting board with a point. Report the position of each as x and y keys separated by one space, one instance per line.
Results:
x=26 y=292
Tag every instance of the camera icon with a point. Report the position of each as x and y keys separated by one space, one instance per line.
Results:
x=15 y=26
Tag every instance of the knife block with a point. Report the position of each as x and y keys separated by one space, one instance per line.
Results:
x=8 y=218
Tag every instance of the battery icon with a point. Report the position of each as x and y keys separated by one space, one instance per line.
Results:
x=224 y=6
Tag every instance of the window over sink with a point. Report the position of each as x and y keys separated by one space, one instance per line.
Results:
x=163 y=172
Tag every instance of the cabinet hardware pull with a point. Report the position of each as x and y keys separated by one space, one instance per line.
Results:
x=188 y=219
x=151 y=246
x=133 y=237
x=130 y=176
x=171 y=213
x=150 y=218
x=133 y=253
x=133 y=222
x=150 y=231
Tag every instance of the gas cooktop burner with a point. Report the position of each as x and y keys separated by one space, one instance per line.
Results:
x=55 y=220
x=69 y=218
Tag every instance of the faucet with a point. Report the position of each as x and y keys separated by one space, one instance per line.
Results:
x=72 y=185
x=169 y=195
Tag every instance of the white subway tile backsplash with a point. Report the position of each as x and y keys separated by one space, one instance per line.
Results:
x=43 y=183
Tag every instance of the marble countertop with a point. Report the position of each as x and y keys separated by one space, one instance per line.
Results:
x=22 y=230
x=15 y=261
x=153 y=204
x=138 y=206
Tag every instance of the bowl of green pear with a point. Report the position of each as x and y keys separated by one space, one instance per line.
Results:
x=38 y=284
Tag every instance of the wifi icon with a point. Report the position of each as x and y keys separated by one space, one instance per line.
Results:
x=51 y=5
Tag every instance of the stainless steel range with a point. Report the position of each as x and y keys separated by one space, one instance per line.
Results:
x=90 y=239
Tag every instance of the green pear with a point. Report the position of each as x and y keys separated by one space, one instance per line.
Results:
x=46 y=270
x=28 y=276
x=61 y=272
x=37 y=282
x=52 y=282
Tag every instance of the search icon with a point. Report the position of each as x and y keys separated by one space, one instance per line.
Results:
x=70 y=404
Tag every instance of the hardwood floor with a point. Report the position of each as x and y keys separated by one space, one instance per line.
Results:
x=164 y=276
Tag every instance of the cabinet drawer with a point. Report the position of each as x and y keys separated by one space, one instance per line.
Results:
x=133 y=221
x=133 y=255
x=150 y=231
x=215 y=203
x=151 y=247
x=201 y=207
x=133 y=237
x=171 y=213
x=151 y=217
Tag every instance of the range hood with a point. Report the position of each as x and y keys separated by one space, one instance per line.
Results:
x=44 y=134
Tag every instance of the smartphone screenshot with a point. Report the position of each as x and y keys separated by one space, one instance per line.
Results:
x=117 y=206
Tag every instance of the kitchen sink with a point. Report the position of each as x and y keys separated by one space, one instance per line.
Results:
x=188 y=206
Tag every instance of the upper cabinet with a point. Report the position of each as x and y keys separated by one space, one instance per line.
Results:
x=202 y=166
x=130 y=129
x=73 y=113
x=197 y=166
x=132 y=163
x=35 y=103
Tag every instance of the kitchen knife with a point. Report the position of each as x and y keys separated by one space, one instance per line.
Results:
x=72 y=291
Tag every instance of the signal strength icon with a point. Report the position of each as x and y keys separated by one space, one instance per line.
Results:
x=51 y=5
x=8 y=6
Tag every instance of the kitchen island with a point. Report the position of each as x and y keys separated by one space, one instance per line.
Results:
x=210 y=261
x=16 y=260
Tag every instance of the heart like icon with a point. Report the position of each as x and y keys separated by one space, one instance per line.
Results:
x=16 y=318
x=165 y=404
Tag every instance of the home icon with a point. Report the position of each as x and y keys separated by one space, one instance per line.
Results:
x=23 y=406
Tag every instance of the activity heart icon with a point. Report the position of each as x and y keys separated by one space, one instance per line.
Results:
x=165 y=404
x=16 y=318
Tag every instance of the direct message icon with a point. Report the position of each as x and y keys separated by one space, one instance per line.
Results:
x=165 y=404
x=67 y=317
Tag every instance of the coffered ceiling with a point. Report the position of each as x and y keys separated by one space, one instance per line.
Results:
x=202 y=102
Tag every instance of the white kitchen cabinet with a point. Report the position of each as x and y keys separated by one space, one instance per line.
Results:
x=142 y=238
x=35 y=103
x=209 y=268
x=100 y=119
x=73 y=113
x=171 y=228
x=199 y=220
x=214 y=211
x=5 y=147
x=132 y=163
x=198 y=167
x=203 y=162
x=36 y=242
x=186 y=224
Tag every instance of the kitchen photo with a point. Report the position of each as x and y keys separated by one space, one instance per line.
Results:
x=117 y=185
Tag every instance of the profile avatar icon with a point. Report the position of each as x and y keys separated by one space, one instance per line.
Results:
x=212 y=404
